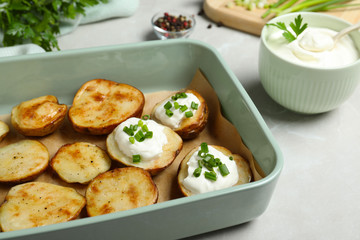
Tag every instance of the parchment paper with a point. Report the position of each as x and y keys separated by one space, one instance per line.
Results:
x=218 y=131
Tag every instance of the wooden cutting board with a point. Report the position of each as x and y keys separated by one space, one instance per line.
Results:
x=250 y=21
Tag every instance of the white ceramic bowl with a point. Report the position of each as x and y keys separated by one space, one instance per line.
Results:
x=305 y=89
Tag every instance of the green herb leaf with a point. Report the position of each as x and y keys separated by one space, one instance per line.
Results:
x=296 y=26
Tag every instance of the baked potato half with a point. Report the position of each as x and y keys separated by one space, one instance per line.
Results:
x=100 y=105
x=158 y=163
x=23 y=161
x=184 y=112
x=36 y=204
x=39 y=116
x=120 y=189
x=241 y=165
x=80 y=162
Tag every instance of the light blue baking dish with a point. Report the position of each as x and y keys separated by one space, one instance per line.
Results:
x=150 y=66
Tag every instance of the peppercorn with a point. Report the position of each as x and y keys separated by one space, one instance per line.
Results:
x=173 y=23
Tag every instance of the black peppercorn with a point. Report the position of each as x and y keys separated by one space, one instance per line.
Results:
x=173 y=23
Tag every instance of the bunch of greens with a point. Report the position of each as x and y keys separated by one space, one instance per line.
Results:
x=38 y=21
x=287 y=6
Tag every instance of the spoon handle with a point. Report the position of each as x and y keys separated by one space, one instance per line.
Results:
x=346 y=31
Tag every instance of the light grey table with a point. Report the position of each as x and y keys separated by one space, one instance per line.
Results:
x=318 y=193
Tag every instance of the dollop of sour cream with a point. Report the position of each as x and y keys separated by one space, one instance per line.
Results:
x=315 y=48
x=201 y=184
x=148 y=149
x=175 y=120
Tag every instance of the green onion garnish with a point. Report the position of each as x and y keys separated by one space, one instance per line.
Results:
x=183 y=108
x=149 y=134
x=169 y=113
x=128 y=130
x=183 y=95
x=201 y=153
x=140 y=123
x=176 y=105
x=194 y=105
x=223 y=170
x=136 y=158
x=204 y=147
x=145 y=128
x=211 y=176
x=132 y=140
x=197 y=172
x=146 y=117
x=168 y=105
x=179 y=95
x=188 y=114
x=139 y=136
x=231 y=158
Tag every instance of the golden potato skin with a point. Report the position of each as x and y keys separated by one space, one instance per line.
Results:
x=245 y=174
x=23 y=161
x=100 y=105
x=120 y=189
x=80 y=162
x=170 y=151
x=4 y=130
x=190 y=127
x=37 y=204
x=39 y=116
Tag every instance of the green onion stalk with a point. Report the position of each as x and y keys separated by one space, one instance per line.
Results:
x=283 y=7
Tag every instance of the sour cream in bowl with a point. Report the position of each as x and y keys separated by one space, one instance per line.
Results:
x=309 y=75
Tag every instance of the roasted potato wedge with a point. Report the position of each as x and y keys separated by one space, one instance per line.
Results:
x=4 y=130
x=23 y=161
x=243 y=168
x=37 y=204
x=39 y=116
x=120 y=189
x=188 y=127
x=169 y=152
x=80 y=162
x=100 y=105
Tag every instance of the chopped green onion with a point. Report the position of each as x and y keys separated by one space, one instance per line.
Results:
x=183 y=108
x=209 y=157
x=145 y=128
x=136 y=158
x=169 y=113
x=201 y=153
x=204 y=147
x=211 y=176
x=149 y=134
x=179 y=95
x=128 y=130
x=139 y=136
x=146 y=117
x=168 y=105
x=176 y=105
x=140 y=123
x=231 y=158
x=194 y=105
x=189 y=114
x=134 y=127
x=132 y=140
x=197 y=172
x=183 y=95
x=223 y=170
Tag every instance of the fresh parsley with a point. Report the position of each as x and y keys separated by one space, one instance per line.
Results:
x=38 y=21
x=296 y=26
